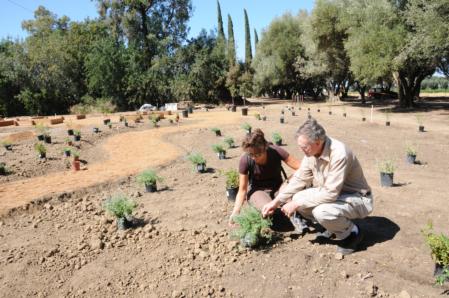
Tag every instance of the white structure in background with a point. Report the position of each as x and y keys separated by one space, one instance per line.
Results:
x=147 y=107
x=171 y=106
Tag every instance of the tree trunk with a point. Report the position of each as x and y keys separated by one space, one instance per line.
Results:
x=409 y=85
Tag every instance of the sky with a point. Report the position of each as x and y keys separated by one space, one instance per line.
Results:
x=260 y=14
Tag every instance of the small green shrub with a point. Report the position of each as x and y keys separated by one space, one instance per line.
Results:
x=246 y=126
x=75 y=154
x=196 y=158
x=251 y=226
x=218 y=148
x=148 y=177
x=411 y=151
x=386 y=166
x=232 y=178
x=215 y=129
x=40 y=148
x=229 y=141
x=77 y=133
x=6 y=143
x=276 y=137
x=120 y=206
x=439 y=249
x=257 y=116
x=67 y=149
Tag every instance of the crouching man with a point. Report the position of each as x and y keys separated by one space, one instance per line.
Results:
x=339 y=194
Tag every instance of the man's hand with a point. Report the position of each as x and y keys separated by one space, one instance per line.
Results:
x=268 y=209
x=290 y=208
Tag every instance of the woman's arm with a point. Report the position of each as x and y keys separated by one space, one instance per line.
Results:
x=292 y=162
x=241 y=195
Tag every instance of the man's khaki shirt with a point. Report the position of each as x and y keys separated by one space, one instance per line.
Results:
x=335 y=171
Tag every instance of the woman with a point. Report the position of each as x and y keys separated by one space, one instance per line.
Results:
x=261 y=164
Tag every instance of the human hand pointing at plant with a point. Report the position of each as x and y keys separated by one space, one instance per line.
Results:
x=268 y=209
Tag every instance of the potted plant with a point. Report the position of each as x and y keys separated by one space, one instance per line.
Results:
x=7 y=144
x=110 y=125
x=244 y=111
x=232 y=184
x=41 y=150
x=277 y=138
x=247 y=127
x=76 y=154
x=77 y=135
x=330 y=109
x=233 y=108
x=69 y=141
x=219 y=149
x=217 y=131
x=257 y=116
x=190 y=109
x=344 y=111
x=149 y=179
x=411 y=154
x=185 y=113
x=76 y=164
x=386 y=168
x=96 y=129
x=439 y=249
x=264 y=118
x=252 y=227
x=125 y=122
x=387 y=117
x=198 y=161
x=67 y=151
x=282 y=111
x=106 y=121
x=281 y=120
x=155 y=119
x=3 y=170
x=318 y=109
x=362 y=111
x=293 y=112
x=42 y=130
x=69 y=128
x=122 y=208
x=419 y=118
x=229 y=141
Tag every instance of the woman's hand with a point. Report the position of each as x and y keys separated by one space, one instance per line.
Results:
x=231 y=222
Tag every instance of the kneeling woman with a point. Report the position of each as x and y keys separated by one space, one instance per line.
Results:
x=260 y=170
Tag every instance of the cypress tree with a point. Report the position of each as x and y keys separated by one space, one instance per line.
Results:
x=231 y=42
x=220 y=22
x=248 y=52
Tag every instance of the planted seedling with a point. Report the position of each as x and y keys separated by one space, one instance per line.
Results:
x=149 y=179
x=69 y=141
x=247 y=127
x=257 y=116
x=122 y=208
x=229 y=141
x=386 y=169
x=41 y=150
x=77 y=135
x=155 y=120
x=198 y=161
x=411 y=154
x=76 y=164
x=220 y=150
x=419 y=119
x=439 y=249
x=232 y=183
x=217 y=131
x=252 y=227
x=7 y=144
x=67 y=151
x=3 y=169
x=277 y=138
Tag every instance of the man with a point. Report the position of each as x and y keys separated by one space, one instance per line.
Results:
x=340 y=192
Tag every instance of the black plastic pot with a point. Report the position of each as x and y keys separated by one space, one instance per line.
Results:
x=264 y=118
x=363 y=119
x=282 y=112
x=185 y=113
x=248 y=131
x=40 y=137
x=47 y=139
x=233 y=109
x=308 y=109
x=218 y=133
x=231 y=193
x=96 y=130
x=278 y=143
x=387 y=123
x=221 y=155
x=281 y=120
x=421 y=128
x=190 y=110
x=151 y=187
x=8 y=147
x=67 y=153
x=244 y=111
x=344 y=115
x=123 y=223
x=293 y=113
x=411 y=159
x=386 y=179
x=330 y=113
x=318 y=110
x=126 y=123
x=438 y=271
x=106 y=121
x=43 y=155
x=77 y=138
x=70 y=132
x=201 y=168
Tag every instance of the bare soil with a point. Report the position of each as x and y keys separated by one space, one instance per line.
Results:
x=56 y=240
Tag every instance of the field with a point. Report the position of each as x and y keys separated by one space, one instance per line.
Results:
x=57 y=241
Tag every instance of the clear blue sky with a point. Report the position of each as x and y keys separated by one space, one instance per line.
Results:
x=260 y=14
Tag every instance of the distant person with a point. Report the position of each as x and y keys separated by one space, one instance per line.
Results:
x=260 y=171
x=341 y=193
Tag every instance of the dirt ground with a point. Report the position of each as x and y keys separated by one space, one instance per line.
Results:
x=56 y=240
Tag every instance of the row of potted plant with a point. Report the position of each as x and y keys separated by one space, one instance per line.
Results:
x=387 y=167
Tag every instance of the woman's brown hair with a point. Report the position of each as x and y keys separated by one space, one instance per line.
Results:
x=255 y=140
